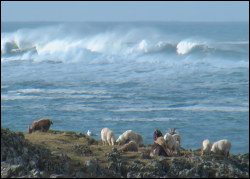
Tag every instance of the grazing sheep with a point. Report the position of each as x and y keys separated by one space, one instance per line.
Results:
x=172 y=144
x=221 y=147
x=160 y=148
x=129 y=147
x=157 y=133
x=40 y=125
x=128 y=136
x=108 y=136
x=206 y=147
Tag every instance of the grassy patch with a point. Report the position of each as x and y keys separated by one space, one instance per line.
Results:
x=79 y=147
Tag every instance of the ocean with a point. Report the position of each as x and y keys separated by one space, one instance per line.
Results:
x=193 y=76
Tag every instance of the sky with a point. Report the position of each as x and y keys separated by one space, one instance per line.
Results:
x=124 y=11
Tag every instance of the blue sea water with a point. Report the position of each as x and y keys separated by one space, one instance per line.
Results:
x=129 y=75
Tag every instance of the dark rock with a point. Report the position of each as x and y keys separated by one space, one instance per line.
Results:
x=19 y=159
x=91 y=167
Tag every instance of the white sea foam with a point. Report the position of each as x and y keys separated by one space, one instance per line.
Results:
x=32 y=97
x=185 y=46
x=57 y=45
x=236 y=43
x=142 y=119
x=57 y=91
x=4 y=87
x=188 y=108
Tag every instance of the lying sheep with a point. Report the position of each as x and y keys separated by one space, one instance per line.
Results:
x=172 y=144
x=160 y=148
x=221 y=147
x=107 y=136
x=129 y=147
x=128 y=136
x=157 y=150
x=206 y=147
x=40 y=125
x=157 y=133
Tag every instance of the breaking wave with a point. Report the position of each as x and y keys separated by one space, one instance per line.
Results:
x=59 y=44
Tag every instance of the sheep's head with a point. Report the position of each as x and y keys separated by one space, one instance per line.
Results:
x=157 y=133
x=172 y=131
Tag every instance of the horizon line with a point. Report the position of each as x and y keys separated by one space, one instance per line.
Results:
x=121 y=21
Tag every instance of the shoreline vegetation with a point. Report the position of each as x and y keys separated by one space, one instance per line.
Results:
x=67 y=154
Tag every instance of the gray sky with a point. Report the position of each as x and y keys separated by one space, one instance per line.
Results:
x=124 y=11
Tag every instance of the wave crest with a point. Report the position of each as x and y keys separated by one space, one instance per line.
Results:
x=56 y=44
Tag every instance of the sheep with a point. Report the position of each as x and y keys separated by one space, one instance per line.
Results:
x=175 y=134
x=206 y=147
x=172 y=144
x=107 y=136
x=221 y=147
x=40 y=125
x=177 y=138
x=157 y=133
x=131 y=146
x=129 y=135
x=157 y=150
x=160 y=148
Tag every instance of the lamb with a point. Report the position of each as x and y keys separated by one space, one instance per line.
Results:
x=172 y=144
x=40 y=125
x=131 y=146
x=221 y=147
x=206 y=147
x=128 y=136
x=108 y=136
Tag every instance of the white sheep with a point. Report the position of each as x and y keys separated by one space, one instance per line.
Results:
x=221 y=147
x=172 y=144
x=128 y=136
x=108 y=136
x=206 y=147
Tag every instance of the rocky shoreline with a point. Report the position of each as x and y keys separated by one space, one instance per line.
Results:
x=44 y=155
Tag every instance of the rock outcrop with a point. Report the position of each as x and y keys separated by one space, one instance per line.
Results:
x=22 y=158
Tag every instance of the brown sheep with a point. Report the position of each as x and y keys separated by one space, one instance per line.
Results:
x=157 y=150
x=129 y=147
x=160 y=146
x=40 y=125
